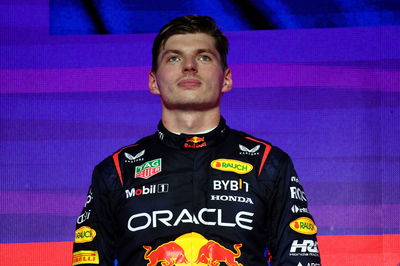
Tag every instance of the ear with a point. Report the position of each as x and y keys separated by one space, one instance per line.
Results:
x=153 y=86
x=227 y=85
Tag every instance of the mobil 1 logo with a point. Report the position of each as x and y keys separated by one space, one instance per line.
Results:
x=147 y=190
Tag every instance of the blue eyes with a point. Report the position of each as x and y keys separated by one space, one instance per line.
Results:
x=204 y=58
x=201 y=58
x=173 y=59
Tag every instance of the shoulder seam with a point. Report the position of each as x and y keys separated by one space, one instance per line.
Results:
x=116 y=161
x=268 y=148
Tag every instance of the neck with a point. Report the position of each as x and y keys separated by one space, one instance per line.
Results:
x=190 y=122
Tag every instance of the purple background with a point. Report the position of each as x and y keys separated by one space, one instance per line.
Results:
x=328 y=97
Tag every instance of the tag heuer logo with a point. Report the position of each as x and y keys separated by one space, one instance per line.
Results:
x=148 y=169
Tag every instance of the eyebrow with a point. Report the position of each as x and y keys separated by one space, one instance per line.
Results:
x=170 y=51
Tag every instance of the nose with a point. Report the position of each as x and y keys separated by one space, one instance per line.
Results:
x=190 y=65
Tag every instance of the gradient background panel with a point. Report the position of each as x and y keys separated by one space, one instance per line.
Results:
x=328 y=94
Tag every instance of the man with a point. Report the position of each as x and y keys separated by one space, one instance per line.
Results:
x=196 y=192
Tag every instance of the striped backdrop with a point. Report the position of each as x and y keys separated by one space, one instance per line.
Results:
x=328 y=97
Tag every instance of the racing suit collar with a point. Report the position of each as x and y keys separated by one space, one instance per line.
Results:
x=193 y=141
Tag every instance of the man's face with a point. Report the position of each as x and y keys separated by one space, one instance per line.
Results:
x=189 y=74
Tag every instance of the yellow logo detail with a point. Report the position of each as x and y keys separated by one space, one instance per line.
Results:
x=84 y=234
x=304 y=225
x=195 y=139
x=192 y=249
x=85 y=257
x=229 y=165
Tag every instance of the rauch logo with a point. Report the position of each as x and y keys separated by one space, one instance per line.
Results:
x=229 y=165
x=304 y=225
x=84 y=234
x=148 y=169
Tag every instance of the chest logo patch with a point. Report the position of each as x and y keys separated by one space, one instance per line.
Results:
x=304 y=225
x=229 y=165
x=85 y=257
x=84 y=234
x=131 y=157
x=148 y=169
x=195 y=143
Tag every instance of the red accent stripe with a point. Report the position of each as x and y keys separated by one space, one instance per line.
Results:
x=266 y=152
x=116 y=162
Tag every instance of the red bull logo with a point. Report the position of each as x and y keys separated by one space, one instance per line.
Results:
x=195 y=142
x=193 y=249
x=213 y=253
x=168 y=254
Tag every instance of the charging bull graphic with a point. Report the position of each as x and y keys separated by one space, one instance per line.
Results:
x=192 y=249
x=195 y=142
x=213 y=253
x=168 y=254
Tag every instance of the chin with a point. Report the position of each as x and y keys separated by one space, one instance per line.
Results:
x=194 y=106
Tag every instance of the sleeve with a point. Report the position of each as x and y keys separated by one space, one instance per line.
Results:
x=94 y=242
x=293 y=239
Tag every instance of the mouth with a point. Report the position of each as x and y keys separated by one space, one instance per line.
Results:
x=189 y=83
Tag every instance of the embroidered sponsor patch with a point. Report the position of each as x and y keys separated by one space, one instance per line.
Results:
x=134 y=158
x=85 y=257
x=247 y=151
x=304 y=225
x=195 y=142
x=84 y=234
x=148 y=169
x=229 y=165
x=192 y=249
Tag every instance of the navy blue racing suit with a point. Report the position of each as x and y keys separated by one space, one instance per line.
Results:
x=220 y=198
